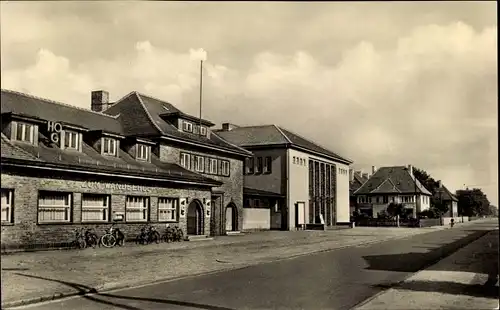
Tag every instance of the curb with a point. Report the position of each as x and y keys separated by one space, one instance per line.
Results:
x=108 y=288
x=429 y=264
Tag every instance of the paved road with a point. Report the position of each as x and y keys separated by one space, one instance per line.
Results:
x=334 y=280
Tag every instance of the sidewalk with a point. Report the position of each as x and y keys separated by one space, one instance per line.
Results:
x=467 y=279
x=29 y=277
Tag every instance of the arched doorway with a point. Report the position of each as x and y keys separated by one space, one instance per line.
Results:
x=231 y=218
x=195 y=218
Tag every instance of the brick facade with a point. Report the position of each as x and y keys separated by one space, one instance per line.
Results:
x=229 y=194
x=25 y=231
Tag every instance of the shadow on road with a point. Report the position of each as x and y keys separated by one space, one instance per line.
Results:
x=413 y=262
x=91 y=294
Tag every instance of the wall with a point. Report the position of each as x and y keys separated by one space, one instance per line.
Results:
x=298 y=184
x=232 y=187
x=342 y=195
x=275 y=181
x=256 y=219
x=25 y=231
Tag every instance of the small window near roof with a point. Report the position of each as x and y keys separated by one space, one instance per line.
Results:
x=25 y=132
x=109 y=146
x=165 y=107
x=71 y=140
x=203 y=131
x=186 y=126
x=142 y=152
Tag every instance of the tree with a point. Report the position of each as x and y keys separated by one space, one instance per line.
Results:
x=437 y=206
x=472 y=202
x=394 y=209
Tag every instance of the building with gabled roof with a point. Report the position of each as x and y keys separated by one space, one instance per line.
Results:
x=356 y=180
x=443 y=195
x=392 y=184
x=308 y=183
x=137 y=161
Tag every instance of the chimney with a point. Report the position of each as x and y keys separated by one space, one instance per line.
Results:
x=228 y=126
x=100 y=100
x=440 y=184
x=374 y=169
x=351 y=174
x=410 y=169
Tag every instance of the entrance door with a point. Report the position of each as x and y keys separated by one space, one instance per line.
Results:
x=194 y=219
x=231 y=215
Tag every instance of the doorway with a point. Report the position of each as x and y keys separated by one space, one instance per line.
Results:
x=194 y=218
x=231 y=218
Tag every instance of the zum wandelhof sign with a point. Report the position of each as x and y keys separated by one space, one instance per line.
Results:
x=115 y=186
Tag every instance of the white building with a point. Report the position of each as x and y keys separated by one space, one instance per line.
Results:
x=290 y=181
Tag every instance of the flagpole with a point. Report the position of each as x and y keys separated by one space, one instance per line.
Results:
x=201 y=91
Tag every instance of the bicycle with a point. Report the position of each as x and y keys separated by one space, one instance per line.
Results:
x=91 y=238
x=79 y=241
x=148 y=235
x=112 y=237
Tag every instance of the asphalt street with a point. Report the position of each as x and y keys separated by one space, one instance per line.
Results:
x=339 y=279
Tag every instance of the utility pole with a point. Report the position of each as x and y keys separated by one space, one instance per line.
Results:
x=201 y=91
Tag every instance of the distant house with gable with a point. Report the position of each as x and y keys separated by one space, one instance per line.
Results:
x=392 y=184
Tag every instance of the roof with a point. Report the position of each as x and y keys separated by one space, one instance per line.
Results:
x=49 y=110
x=257 y=192
x=357 y=181
x=142 y=115
x=271 y=135
x=90 y=160
x=9 y=150
x=387 y=180
x=443 y=193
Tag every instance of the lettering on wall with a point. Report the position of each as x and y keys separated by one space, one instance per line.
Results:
x=208 y=207
x=182 y=211
x=127 y=187
x=54 y=129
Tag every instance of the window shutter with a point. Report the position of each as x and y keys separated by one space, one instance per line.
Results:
x=35 y=135
x=13 y=130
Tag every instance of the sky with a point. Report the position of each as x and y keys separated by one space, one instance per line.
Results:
x=381 y=83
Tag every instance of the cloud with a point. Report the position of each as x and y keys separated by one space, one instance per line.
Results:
x=427 y=99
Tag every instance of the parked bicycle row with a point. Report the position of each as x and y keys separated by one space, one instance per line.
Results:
x=86 y=237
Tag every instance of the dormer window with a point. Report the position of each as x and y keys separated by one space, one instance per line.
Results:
x=143 y=152
x=109 y=146
x=196 y=129
x=203 y=131
x=25 y=132
x=71 y=140
x=187 y=126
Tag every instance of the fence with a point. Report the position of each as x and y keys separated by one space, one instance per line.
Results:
x=373 y=222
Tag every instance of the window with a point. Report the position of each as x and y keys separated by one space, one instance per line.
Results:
x=95 y=208
x=256 y=203
x=167 y=209
x=143 y=152
x=198 y=163
x=213 y=166
x=136 y=208
x=25 y=132
x=186 y=160
x=54 y=207
x=268 y=164
x=6 y=203
x=258 y=168
x=109 y=146
x=250 y=165
x=71 y=140
x=225 y=168
x=203 y=131
x=187 y=126
x=196 y=129
x=386 y=199
x=294 y=160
